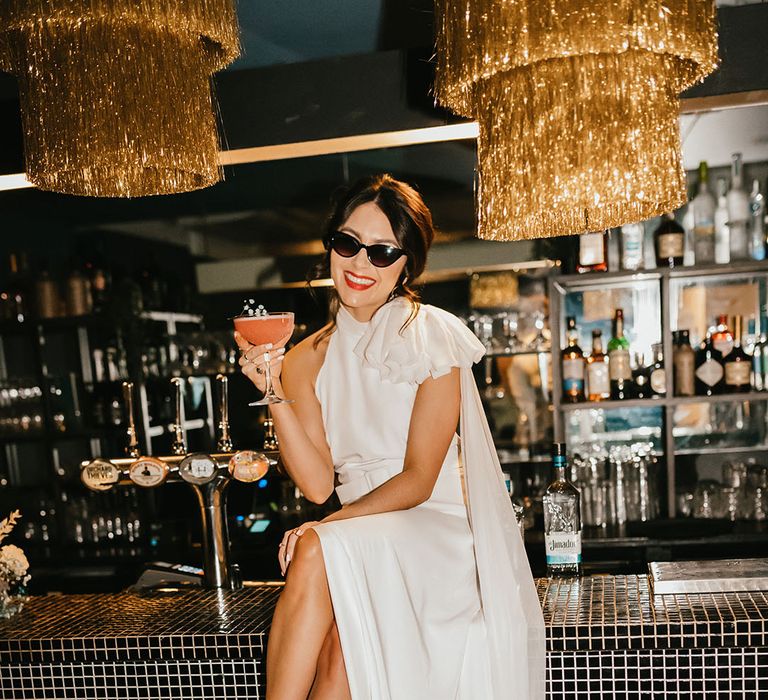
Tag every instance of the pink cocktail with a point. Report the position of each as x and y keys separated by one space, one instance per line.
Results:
x=260 y=329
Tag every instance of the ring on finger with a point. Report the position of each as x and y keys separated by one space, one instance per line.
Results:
x=259 y=370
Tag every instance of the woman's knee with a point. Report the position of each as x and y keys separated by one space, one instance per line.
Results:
x=307 y=562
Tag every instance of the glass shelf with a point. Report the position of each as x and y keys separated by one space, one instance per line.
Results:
x=664 y=401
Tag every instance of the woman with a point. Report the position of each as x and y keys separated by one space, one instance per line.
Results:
x=419 y=586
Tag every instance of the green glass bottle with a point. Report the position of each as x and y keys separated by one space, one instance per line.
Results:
x=619 y=366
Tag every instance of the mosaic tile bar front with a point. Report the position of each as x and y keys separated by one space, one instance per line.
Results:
x=607 y=638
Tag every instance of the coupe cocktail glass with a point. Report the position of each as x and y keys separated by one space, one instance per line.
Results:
x=260 y=329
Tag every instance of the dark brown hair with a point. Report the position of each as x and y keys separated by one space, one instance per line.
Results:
x=411 y=223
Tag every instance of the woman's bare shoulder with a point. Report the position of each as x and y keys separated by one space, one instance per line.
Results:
x=304 y=359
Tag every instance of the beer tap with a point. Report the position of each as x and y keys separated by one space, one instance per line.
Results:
x=224 y=442
x=179 y=446
x=132 y=448
x=208 y=475
x=270 y=436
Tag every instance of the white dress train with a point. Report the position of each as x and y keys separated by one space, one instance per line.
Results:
x=436 y=602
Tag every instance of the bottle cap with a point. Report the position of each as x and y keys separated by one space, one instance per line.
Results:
x=558 y=449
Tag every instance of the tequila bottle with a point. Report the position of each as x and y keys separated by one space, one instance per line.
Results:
x=562 y=520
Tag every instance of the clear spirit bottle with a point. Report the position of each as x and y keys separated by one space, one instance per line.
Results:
x=756 y=224
x=722 y=232
x=704 y=220
x=738 y=211
x=562 y=520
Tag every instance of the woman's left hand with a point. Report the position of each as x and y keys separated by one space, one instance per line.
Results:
x=290 y=538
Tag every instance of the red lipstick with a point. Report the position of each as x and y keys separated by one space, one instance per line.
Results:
x=357 y=286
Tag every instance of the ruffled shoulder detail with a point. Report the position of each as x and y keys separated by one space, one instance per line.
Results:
x=430 y=345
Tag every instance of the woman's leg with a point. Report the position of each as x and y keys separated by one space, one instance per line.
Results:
x=302 y=620
x=331 y=680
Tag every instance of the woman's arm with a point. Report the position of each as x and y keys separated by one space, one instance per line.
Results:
x=433 y=424
x=300 y=430
x=304 y=450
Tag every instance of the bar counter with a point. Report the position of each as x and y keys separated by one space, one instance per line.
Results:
x=607 y=637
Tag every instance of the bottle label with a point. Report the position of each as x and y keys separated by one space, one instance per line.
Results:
x=563 y=547
x=737 y=373
x=618 y=364
x=684 y=371
x=632 y=246
x=659 y=381
x=591 y=249
x=573 y=368
x=598 y=380
x=671 y=245
x=710 y=372
x=573 y=375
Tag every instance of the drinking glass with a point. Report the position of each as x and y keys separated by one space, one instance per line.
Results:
x=260 y=329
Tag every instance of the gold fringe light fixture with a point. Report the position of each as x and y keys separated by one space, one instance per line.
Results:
x=115 y=94
x=577 y=105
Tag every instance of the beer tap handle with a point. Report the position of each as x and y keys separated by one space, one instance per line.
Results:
x=224 y=441
x=132 y=448
x=270 y=436
x=178 y=446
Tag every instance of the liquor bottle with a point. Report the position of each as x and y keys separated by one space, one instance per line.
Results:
x=101 y=286
x=689 y=224
x=722 y=232
x=756 y=223
x=572 y=358
x=632 y=239
x=593 y=252
x=684 y=362
x=78 y=293
x=759 y=357
x=48 y=295
x=562 y=520
x=722 y=338
x=738 y=365
x=18 y=289
x=709 y=369
x=620 y=371
x=657 y=374
x=640 y=378
x=669 y=239
x=598 y=380
x=704 y=220
x=738 y=211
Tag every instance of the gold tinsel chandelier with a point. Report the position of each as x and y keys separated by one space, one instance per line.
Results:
x=577 y=106
x=115 y=94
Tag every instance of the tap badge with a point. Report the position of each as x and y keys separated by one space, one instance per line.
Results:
x=248 y=466
x=100 y=475
x=197 y=469
x=148 y=472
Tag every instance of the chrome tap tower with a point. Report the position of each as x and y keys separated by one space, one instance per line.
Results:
x=209 y=475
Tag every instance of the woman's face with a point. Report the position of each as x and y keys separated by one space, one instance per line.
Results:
x=362 y=287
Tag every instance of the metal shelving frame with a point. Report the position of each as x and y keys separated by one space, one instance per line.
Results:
x=560 y=285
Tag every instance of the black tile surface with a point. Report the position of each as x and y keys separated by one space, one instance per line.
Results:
x=592 y=613
x=129 y=627
x=619 y=612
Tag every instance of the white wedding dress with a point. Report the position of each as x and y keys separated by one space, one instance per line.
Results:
x=436 y=602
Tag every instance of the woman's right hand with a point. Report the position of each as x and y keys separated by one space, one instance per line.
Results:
x=253 y=360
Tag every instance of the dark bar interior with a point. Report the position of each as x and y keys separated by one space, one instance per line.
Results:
x=153 y=498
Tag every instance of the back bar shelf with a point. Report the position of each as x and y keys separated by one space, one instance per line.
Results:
x=659 y=301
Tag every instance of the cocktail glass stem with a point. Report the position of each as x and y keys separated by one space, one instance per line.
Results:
x=269 y=394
